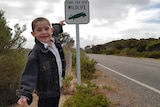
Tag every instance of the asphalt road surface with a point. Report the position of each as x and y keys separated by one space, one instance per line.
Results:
x=141 y=74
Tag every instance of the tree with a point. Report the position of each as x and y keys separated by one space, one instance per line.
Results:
x=66 y=40
x=153 y=46
x=5 y=33
x=141 y=45
x=9 y=40
x=12 y=60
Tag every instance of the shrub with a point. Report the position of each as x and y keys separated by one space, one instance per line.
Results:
x=85 y=96
x=11 y=66
x=87 y=67
x=108 y=51
x=67 y=80
x=73 y=59
x=155 y=54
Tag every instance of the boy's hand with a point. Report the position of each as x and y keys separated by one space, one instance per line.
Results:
x=22 y=101
x=62 y=23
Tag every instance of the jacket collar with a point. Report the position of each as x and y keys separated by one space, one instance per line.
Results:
x=41 y=46
x=47 y=45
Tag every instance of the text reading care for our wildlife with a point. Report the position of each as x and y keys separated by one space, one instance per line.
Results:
x=77 y=5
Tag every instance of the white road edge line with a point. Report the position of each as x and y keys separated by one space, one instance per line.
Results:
x=144 y=85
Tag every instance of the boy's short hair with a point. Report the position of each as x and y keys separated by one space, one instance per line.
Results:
x=37 y=20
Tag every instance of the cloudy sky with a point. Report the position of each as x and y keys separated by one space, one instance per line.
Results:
x=109 y=19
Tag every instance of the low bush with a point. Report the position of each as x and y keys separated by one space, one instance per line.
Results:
x=67 y=80
x=87 y=96
x=154 y=54
x=11 y=66
x=87 y=67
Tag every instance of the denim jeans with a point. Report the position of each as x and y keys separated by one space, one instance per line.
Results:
x=48 y=102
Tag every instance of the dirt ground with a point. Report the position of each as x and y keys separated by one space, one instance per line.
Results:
x=119 y=95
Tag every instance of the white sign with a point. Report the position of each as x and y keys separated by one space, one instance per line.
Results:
x=77 y=11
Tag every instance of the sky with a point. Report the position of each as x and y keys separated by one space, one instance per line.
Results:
x=109 y=20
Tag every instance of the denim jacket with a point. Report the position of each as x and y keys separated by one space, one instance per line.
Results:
x=41 y=73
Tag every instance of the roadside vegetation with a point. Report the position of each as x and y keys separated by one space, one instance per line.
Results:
x=86 y=94
x=148 y=48
x=12 y=58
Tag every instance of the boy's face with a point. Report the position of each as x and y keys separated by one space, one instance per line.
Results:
x=43 y=31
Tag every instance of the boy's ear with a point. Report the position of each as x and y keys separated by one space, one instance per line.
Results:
x=52 y=29
x=33 y=34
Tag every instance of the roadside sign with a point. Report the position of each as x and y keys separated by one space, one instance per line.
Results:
x=76 y=11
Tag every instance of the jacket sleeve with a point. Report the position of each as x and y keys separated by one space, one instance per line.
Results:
x=28 y=79
x=57 y=29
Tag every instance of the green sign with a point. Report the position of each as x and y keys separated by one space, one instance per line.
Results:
x=77 y=11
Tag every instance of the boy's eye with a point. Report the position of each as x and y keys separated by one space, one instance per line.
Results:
x=40 y=29
x=46 y=28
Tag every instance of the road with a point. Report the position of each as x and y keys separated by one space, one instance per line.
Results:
x=141 y=74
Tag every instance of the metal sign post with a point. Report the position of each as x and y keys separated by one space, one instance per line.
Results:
x=77 y=12
x=78 y=55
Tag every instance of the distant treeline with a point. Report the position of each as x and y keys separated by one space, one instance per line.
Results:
x=130 y=47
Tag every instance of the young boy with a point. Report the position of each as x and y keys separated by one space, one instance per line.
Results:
x=45 y=66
